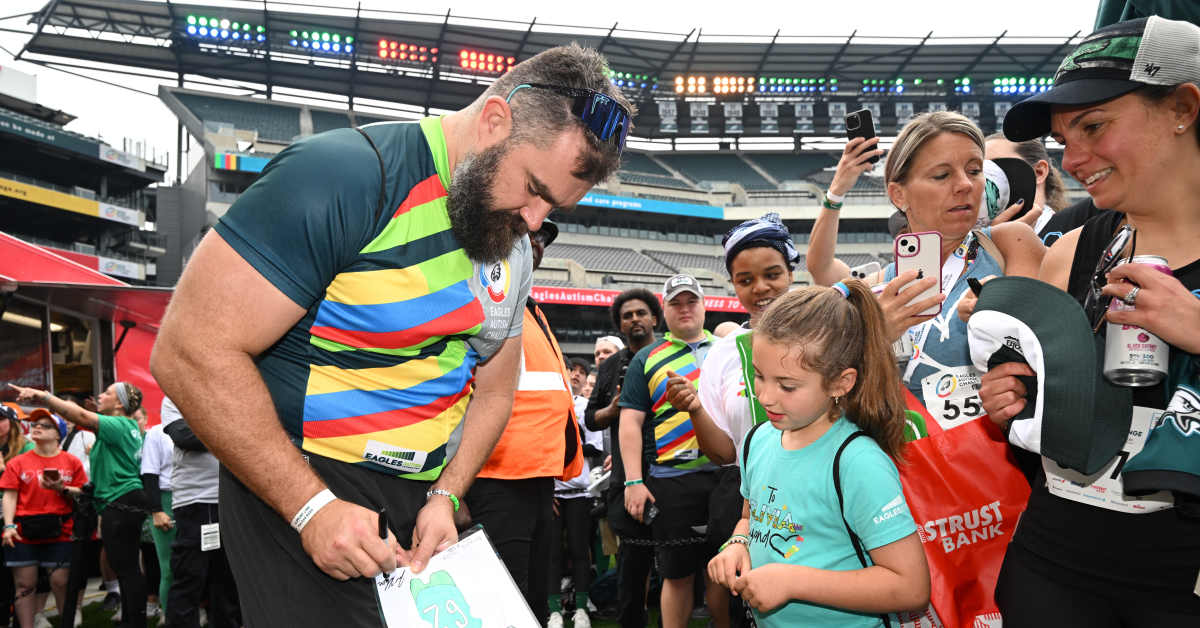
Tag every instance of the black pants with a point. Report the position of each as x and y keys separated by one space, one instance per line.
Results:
x=8 y=593
x=633 y=572
x=517 y=516
x=575 y=518
x=197 y=572
x=277 y=582
x=121 y=531
x=1028 y=598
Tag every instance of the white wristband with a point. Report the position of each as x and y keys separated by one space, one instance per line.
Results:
x=312 y=507
x=834 y=198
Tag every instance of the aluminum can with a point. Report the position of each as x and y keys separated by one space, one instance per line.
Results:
x=1133 y=356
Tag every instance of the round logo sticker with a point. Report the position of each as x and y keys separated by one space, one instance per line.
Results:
x=495 y=279
x=946 y=385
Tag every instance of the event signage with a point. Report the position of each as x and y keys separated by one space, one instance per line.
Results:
x=241 y=163
x=121 y=268
x=121 y=158
x=69 y=202
x=45 y=134
x=653 y=206
x=604 y=298
x=121 y=214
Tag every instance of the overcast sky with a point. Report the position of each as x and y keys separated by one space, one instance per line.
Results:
x=114 y=113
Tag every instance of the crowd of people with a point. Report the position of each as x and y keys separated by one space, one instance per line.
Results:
x=397 y=365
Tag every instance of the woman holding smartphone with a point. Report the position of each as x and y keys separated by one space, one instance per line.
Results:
x=37 y=507
x=1112 y=554
x=116 y=473
x=934 y=175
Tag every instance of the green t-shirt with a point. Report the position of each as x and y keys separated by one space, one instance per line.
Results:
x=116 y=458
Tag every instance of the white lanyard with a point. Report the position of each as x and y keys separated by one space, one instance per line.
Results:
x=952 y=269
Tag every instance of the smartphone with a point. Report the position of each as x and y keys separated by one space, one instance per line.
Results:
x=868 y=271
x=860 y=124
x=51 y=475
x=649 y=513
x=921 y=252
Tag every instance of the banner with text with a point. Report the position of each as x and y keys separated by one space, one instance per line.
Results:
x=604 y=298
x=653 y=206
x=69 y=202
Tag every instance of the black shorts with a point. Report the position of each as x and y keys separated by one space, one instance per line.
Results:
x=683 y=507
x=278 y=584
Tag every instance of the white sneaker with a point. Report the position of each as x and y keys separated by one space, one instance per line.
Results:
x=580 y=620
x=555 y=621
x=40 y=621
x=78 y=618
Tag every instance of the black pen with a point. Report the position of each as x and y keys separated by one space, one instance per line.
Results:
x=383 y=523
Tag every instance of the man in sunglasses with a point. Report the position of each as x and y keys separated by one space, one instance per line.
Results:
x=347 y=339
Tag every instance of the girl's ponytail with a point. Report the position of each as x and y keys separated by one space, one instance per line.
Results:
x=876 y=402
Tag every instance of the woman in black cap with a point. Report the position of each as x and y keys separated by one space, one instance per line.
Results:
x=1121 y=548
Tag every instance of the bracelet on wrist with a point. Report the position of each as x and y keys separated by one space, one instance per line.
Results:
x=635 y=483
x=829 y=203
x=735 y=539
x=444 y=493
x=836 y=199
x=10 y=526
x=311 y=508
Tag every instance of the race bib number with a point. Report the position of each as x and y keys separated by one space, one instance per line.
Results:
x=952 y=396
x=1105 y=489
x=210 y=537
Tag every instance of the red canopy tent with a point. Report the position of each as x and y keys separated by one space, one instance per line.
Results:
x=134 y=311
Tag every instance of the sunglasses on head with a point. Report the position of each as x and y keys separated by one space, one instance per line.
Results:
x=603 y=116
x=1095 y=304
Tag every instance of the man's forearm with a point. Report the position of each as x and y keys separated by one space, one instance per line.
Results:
x=484 y=422
x=239 y=423
x=631 y=448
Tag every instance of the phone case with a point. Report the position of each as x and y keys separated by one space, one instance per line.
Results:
x=861 y=124
x=870 y=271
x=921 y=252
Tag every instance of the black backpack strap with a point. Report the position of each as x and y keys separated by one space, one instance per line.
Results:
x=746 y=443
x=382 y=174
x=837 y=487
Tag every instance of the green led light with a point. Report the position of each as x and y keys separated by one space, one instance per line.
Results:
x=295 y=34
x=966 y=81
x=246 y=27
x=324 y=36
x=916 y=81
x=337 y=38
x=236 y=25
x=204 y=21
x=224 y=23
x=191 y=19
x=833 y=81
x=261 y=29
x=899 y=81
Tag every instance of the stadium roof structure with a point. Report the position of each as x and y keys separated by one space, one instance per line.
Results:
x=154 y=36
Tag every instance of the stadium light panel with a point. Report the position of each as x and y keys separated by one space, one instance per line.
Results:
x=485 y=62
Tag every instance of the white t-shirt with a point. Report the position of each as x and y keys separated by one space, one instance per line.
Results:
x=194 y=473
x=157 y=455
x=723 y=390
x=595 y=439
x=81 y=447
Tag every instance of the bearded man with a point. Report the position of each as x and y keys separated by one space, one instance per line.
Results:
x=346 y=340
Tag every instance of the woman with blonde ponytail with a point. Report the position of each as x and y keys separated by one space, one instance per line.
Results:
x=825 y=374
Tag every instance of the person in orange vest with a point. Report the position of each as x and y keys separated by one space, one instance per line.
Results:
x=513 y=494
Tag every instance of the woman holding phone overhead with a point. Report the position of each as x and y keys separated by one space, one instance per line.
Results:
x=934 y=175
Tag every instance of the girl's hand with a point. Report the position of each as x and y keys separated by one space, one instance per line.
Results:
x=1163 y=306
x=726 y=566
x=635 y=500
x=1029 y=218
x=900 y=309
x=11 y=536
x=765 y=588
x=853 y=163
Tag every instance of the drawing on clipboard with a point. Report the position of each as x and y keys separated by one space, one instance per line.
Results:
x=466 y=586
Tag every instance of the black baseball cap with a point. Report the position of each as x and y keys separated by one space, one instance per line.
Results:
x=1073 y=415
x=1112 y=62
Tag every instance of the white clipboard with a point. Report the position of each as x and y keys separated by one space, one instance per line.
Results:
x=466 y=586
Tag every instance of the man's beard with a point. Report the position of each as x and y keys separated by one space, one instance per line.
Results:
x=485 y=233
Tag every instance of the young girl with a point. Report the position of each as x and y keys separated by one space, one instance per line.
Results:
x=824 y=370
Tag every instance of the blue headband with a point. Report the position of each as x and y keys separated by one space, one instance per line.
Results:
x=766 y=231
x=841 y=287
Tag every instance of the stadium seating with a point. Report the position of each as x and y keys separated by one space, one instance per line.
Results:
x=866 y=186
x=681 y=261
x=792 y=167
x=658 y=180
x=328 y=120
x=717 y=167
x=272 y=121
x=637 y=162
x=601 y=258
